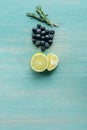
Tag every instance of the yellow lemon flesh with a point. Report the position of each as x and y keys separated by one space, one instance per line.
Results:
x=53 y=61
x=39 y=62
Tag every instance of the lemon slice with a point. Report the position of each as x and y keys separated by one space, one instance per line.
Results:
x=53 y=61
x=39 y=62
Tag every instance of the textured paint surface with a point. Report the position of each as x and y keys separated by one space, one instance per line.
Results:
x=47 y=101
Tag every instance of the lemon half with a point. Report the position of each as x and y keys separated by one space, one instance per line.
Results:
x=39 y=62
x=53 y=61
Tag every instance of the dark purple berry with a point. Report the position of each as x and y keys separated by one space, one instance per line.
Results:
x=52 y=31
x=46 y=37
x=42 y=37
x=33 y=36
x=47 y=31
x=50 y=42
x=38 y=31
x=42 y=43
x=42 y=28
x=34 y=41
x=43 y=33
x=37 y=43
x=51 y=36
x=42 y=48
x=38 y=25
x=38 y=36
x=34 y=30
x=47 y=44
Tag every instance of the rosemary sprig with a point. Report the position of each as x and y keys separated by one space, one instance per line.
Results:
x=41 y=16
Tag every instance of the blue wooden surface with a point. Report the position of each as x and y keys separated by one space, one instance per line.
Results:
x=55 y=101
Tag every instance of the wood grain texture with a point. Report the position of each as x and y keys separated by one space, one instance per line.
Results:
x=46 y=101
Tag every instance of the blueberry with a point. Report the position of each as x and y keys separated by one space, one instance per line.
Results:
x=51 y=36
x=37 y=43
x=33 y=36
x=50 y=42
x=38 y=36
x=38 y=31
x=42 y=28
x=46 y=37
x=34 y=30
x=47 y=44
x=38 y=25
x=47 y=31
x=52 y=31
x=42 y=43
x=43 y=33
x=42 y=48
x=34 y=41
x=42 y=37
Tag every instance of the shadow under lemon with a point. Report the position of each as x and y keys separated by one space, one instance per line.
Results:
x=45 y=73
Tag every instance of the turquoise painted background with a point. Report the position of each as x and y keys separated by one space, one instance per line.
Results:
x=55 y=101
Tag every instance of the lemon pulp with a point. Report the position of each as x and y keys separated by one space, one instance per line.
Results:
x=53 y=61
x=39 y=62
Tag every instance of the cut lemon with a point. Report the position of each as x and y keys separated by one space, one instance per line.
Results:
x=39 y=62
x=53 y=61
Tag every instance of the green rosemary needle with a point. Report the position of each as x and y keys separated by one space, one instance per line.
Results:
x=41 y=16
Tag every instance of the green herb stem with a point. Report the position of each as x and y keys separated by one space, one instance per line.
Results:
x=41 y=16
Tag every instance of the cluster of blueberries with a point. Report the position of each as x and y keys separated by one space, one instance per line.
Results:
x=42 y=37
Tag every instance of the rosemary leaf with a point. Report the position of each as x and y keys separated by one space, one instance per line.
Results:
x=34 y=16
x=41 y=16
